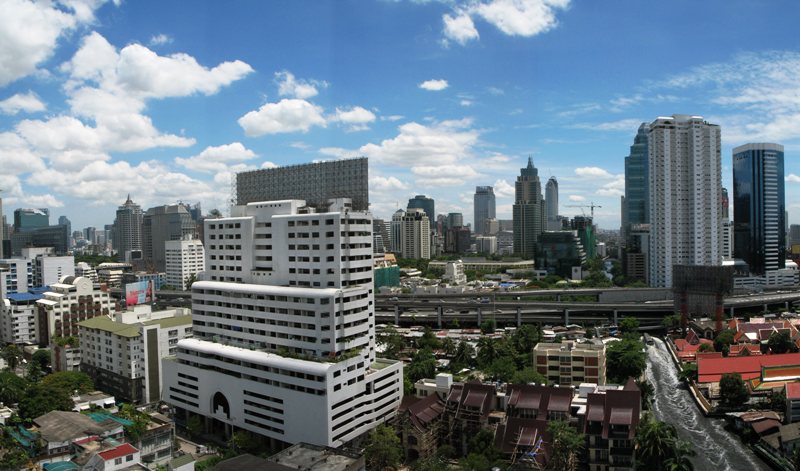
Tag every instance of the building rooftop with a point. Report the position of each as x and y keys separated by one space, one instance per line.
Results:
x=61 y=426
x=710 y=370
x=793 y=391
x=23 y=297
x=307 y=457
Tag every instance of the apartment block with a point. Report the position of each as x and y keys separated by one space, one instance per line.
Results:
x=18 y=318
x=71 y=300
x=284 y=328
x=184 y=258
x=571 y=363
x=612 y=416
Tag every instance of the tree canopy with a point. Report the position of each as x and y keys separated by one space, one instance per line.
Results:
x=383 y=449
x=732 y=390
x=625 y=358
x=567 y=445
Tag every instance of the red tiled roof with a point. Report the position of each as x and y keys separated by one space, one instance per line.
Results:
x=122 y=450
x=793 y=391
x=710 y=370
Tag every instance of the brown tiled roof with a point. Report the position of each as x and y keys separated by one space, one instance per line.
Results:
x=543 y=399
x=523 y=435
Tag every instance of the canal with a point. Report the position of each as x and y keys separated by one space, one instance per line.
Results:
x=673 y=403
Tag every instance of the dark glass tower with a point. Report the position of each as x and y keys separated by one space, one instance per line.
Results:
x=528 y=211
x=759 y=207
x=637 y=203
x=425 y=203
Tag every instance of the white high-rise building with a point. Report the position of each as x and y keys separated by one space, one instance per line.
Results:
x=685 y=194
x=184 y=258
x=415 y=234
x=284 y=328
x=551 y=205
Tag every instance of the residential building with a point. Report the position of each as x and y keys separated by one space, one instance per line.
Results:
x=161 y=225
x=553 y=223
x=71 y=300
x=380 y=236
x=415 y=235
x=425 y=203
x=65 y=354
x=420 y=425
x=484 y=208
x=2 y=231
x=727 y=227
x=467 y=406
x=528 y=211
x=558 y=252
x=16 y=276
x=571 y=363
x=128 y=230
x=457 y=240
x=486 y=244
x=454 y=272
x=396 y=233
x=107 y=456
x=316 y=183
x=87 y=271
x=184 y=259
x=759 y=210
x=18 y=318
x=684 y=176
x=126 y=358
x=612 y=416
x=47 y=268
x=284 y=338
x=58 y=430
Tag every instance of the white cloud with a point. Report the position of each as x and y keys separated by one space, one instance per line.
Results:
x=434 y=85
x=29 y=32
x=465 y=102
x=379 y=183
x=338 y=152
x=394 y=117
x=300 y=145
x=26 y=102
x=512 y=17
x=593 y=172
x=288 y=115
x=357 y=118
x=160 y=39
x=459 y=28
x=624 y=125
x=17 y=156
x=616 y=187
x=217 y=159
x=792 y=178
x=41 y=201
x=445 y=143
x=289 y=86
x=503 y=189
x=576 y=198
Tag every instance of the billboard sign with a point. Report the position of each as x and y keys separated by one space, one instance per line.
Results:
x=140 y=292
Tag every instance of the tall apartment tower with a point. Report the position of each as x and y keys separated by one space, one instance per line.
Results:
x=636 y=207
x=284 y=328
x=759 y=210
x=685 y=188
x=396 y=231
x=484 y=208
x=528 y=211
x=426 y=203
x=160 y=225
x=128 y=229
x=727 y=227
x=551 y=205
x=2 y=230
x=415 y=234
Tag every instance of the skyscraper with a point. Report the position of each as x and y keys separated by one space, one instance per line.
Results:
x=551 y=205
x=162 y=224
x=528 y=211
x=415 y=239
x=396 y=232
x=484 y=208
x=727 y=227
x=759 y=207
x=284 y=333
x=423 y=202
x=685 y=189
x=64 y=221
x=636 y=207
x=128 y=229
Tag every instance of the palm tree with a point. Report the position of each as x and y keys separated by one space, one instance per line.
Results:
x=487 y=351
x=681 y=459
x=654 y=442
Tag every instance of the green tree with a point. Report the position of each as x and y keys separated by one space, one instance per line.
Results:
x=777 y=400
x=194 y=425
x=525 y=338
x=625 y=358
x=465 y=354
x=689 y=372
x=527 y=376
x=723 y=341
x=672 y=321
x=706 y=347
x=12 y=387
x=781 y=342
x=682 y=453
x=429 y=340
x=647 y=390
x=140 y=421
x=487 y=352
x=567 y=444
x=11 y=354
x=383 y=449
x=502 y=369
x=40 y=399
x=392 y=342
x=69 y=382
x=423 y=365
x=488 y=326
x=654 y=442
x=732 y=390
x=629 y=325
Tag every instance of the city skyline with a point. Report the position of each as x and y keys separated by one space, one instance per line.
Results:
x=119 y=98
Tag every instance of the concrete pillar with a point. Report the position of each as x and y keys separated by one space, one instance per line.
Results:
x=733 y=312
x=480 y=318
x=439 y=316
x=786 y=305
x=566 y=316
x=558 y=298
x=519 y=317
x=396 y=314
x=765 y=307
x=615 y=317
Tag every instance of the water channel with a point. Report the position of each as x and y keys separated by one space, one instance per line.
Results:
x=716 y=448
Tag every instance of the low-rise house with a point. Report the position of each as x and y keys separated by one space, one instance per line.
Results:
x=783 y=440
x=307 y=457
x=96 y=399
x=420 y=426
x=763 y=373
x=106 y=455
x=59 y=429
x=156 y=441
x=687 y=348
x=792 y=392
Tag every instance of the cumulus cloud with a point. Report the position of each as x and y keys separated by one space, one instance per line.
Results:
x=29 y=32
x=616 y=187
x=288 y=115
x=434 y=85
x=512 y=17
x=623 y=125
x=217 y=159
x=792 y=178
x=160 y=40
x=289 y=86
x=445 y=143
x=379 y=183
x=25 y=102
x=592 y=172
x=356 y=118
x=576 y=198
x=41 y=201
x=503 y=189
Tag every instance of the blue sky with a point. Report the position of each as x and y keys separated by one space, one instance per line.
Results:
x=167 y=100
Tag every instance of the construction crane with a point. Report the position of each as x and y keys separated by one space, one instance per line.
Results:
x=591 y=206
